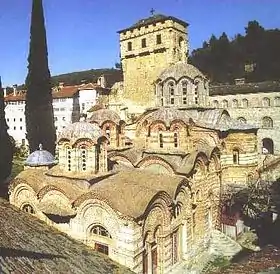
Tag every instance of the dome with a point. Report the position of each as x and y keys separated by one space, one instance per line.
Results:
x=179 y=70
x=40 y=158
x=168 y=115
x=80 y=130
x=101 y=115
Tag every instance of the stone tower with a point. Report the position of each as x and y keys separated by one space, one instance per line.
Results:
x=147 y=48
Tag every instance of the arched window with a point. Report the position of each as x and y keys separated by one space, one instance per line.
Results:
x=224 y=104
x=171 y=88
x=267 y=122
x=235 y=155
x=129 y=46
x=184 y=88
x=245 y=103
x=160 y=140
x=28 y=208
x=267 y=146
x=266 y=102
x=234 y=103
x=100 y=230
x=175 y=139
x=242 y=120
x=277 y=101
x=215 y=104
x=175 y=246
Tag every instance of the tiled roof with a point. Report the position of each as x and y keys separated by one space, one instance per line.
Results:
x=267 y=86
x=28 y=245
x=64 y=92
x=153 y=20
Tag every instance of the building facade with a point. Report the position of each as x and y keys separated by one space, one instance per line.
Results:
x=253 y=103
x=147 y=47
x=69 y=103
x=145 y=190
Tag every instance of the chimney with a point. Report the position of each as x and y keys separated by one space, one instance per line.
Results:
x=5 y=92
x=239 y=81
x=14 y=90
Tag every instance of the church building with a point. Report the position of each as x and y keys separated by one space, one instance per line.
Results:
x=140 y=180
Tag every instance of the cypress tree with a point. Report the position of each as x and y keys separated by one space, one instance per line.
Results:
x=38 y=109
x=6 y=146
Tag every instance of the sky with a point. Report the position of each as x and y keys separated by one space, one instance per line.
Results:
x=82 y=34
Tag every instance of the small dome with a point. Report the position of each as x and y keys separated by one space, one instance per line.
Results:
x=80 y=130
x=179 y=70
x=40 y=158
x=101 y=115
x=168 y=115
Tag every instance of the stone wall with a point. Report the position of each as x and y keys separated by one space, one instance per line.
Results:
x=253 y=107
x=142 y=65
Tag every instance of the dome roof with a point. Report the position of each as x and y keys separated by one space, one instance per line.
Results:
x=80 y=130
x=168 y=115
x=101 y=115
x=179 y=70
x=40 y=158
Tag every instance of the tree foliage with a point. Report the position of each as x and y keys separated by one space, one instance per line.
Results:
x=38 y=108
x=254 y=56
x=6 y=147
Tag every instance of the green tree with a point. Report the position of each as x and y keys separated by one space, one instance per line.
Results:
x=38 y=109
x=6 y=147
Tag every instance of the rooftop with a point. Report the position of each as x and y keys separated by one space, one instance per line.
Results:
x=28 y=245
x=226 y=89
x=156 y=18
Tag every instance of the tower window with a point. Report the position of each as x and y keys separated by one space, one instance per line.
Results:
x=144 y=43
x=159 y=39
x=171 y=88
x=184 y=100
x=184 y=87
x=129 y=46
x=172 y=101
x=236 y=156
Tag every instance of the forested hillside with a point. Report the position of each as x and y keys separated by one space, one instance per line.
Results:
x=255 y=56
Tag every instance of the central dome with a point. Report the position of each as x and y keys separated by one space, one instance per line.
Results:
x=81 y=130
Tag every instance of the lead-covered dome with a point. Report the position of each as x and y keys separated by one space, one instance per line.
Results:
x=179 y=70
x=40 y=158
x=80 y=130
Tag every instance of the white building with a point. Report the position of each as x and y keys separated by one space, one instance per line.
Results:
x=69 y=103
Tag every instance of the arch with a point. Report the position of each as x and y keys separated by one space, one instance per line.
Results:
x=83 y=142
x=171 y=88
x=267 y=122
x=267 y=146
x=215 y=103
x=245 y=103
x=99 y=230
x=242 y=120
x=121 y=158
x=234 y=103
x=154 y=162
x=224 y=104
x=26 y=207
x=177 y=125
x=157 y=125
x=91 y=211
x=266 y=102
